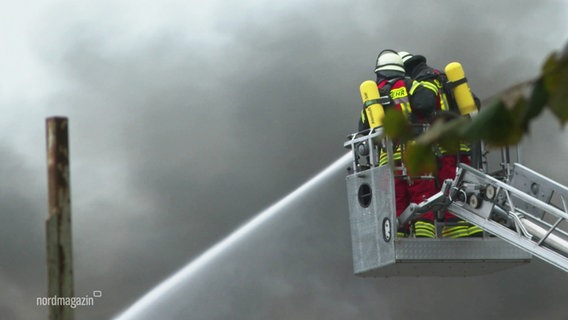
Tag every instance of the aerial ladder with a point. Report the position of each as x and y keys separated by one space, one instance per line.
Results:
x=523 y=214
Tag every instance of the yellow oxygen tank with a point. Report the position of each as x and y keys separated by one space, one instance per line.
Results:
x=461 y=90
x=373 y=109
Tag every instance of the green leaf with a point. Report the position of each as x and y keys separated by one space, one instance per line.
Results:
x=494 y=124
x=450 y=143
x=419 y=159
x=482 y=122
x=396 y=125
x=559 y=105
x=549 y=74
x=537 y=101
x=555 y=78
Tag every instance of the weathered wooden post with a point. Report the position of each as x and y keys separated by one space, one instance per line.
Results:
x=58 y=223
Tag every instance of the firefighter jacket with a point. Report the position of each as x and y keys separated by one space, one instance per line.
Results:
x=412 y=98
x=415 y=100
x=435 y=80
x=445 y=104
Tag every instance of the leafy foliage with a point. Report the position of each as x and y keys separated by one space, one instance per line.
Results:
x=555 y=80
x=396 y=125
x=503 y=122
x=496 y=125
x=419 y=159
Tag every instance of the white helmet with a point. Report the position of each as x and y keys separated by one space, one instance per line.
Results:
x=409 y=59
x=389 y=60
x=405 y=56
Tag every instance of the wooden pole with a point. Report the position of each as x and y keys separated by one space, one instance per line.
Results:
x=58 y=223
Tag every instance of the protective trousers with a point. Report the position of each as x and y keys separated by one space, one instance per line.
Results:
x=413 y=191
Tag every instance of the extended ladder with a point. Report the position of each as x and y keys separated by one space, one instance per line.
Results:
x=519 y=210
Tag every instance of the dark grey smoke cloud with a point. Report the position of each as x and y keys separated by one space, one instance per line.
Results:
x=175 y=143
x=22 y=271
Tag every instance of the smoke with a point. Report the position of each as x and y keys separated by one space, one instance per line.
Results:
x=22 y=274
x=185 y=122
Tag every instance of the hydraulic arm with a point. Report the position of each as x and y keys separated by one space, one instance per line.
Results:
x=519 y=211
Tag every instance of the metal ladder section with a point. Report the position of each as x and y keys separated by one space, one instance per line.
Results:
x=525 y=209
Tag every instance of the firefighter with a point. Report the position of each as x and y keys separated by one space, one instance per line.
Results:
x=416 y=102
x=446 y=109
